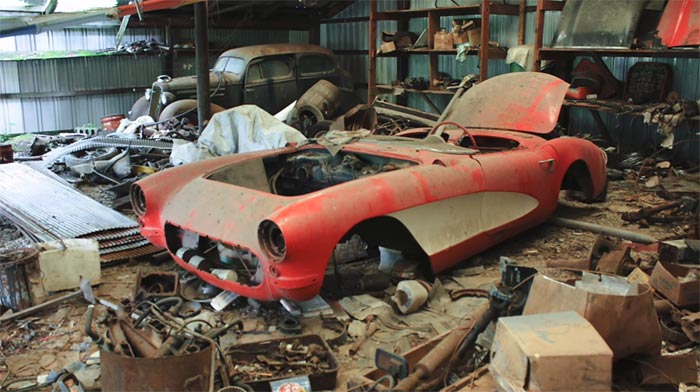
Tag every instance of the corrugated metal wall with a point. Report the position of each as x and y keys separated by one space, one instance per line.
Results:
x=64 y=93
x=628 y=131
x=49 y=86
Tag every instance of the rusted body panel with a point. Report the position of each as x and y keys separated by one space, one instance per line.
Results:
x=527 y=104
x=453 y=201
x=248 y=53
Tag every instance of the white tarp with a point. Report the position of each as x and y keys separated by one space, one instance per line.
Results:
x=241 y=129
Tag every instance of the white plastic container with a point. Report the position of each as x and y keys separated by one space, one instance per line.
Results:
x=410 y=296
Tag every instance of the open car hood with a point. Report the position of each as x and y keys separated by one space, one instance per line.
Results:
x=520 y=101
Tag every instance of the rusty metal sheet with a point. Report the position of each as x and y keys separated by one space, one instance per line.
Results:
x=188 y=372
x=598 y=23
x=531 y=104
x=680 y=23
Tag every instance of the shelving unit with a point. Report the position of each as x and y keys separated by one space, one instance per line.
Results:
x=569 y=54
x=403 y=15
x=544 y=53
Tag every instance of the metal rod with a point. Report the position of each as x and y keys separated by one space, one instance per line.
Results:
x=607 y=230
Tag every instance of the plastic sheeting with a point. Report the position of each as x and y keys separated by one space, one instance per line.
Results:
x=241 y=129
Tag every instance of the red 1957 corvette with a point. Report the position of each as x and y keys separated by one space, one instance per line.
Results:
x=265 y=224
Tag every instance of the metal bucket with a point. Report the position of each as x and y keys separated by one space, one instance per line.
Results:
x=6 y=153
x=187 y=372
x=15 y=266
x=111 y=123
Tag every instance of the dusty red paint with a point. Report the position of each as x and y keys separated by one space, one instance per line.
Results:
x=154 y=5
x=314 y=223
x=680 y=23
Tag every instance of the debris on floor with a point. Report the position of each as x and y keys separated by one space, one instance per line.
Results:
x=606 y=294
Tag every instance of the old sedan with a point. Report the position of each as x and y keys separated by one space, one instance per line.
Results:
x=270 y=76
x=265 y=224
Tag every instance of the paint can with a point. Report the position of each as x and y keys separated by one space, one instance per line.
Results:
x=111 y=123
x=15 y=270
x=6 y=153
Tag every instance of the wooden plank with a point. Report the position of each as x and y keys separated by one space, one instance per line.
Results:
x=496 y=9
x=494 y=53
x=345 y=20
x=41 y=306
x=549 y=5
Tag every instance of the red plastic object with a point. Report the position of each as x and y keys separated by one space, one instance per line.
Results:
x=154 y=5
x=111 y=123
x=453 y=203
x=680 y=23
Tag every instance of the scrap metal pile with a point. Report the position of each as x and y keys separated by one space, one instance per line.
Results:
x=179 y=344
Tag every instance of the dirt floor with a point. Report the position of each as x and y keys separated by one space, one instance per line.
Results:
x=56 y=337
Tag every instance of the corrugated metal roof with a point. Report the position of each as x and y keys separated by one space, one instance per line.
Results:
x=60 y=211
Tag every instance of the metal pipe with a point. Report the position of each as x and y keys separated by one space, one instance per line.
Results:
x=202 y=55
x=607 y=230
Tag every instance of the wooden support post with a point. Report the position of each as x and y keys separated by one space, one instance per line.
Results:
x=484 y=48
x=433 y=27
x=202 y=54
x=539 y=30
x=522 y=9
x=372 y=58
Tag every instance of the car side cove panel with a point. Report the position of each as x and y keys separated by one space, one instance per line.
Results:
x=446 y=223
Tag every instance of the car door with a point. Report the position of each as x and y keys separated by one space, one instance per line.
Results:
x=529 y=175
x=270 y=83
x=313 y=67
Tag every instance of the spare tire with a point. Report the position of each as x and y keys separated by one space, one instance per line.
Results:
x=186 y=108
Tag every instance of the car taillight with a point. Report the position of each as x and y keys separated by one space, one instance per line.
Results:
x=272 y=240
x=138 y=200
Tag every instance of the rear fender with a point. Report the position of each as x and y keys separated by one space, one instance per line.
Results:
x=584 y=164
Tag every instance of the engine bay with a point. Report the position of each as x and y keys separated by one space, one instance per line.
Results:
x=307 y=171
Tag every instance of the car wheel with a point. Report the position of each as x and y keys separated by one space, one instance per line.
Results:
x=139 y=108
x=603 y=195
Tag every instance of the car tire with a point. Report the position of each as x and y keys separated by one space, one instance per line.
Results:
x=139 y=108
x=319 y=129
x=187 y=108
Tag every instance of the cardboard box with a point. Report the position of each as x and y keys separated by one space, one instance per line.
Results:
x=460 y=37
x=673 y=281
x=62 y=263
x=623 y=313
x=443 y=41
x=550 y=352
x=387 y=47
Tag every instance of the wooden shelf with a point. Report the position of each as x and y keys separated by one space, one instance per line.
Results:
x=398 y=90
x=494 y=53
x=404 y=14
x=563 y=53
x=619 y=106
x=496 y=9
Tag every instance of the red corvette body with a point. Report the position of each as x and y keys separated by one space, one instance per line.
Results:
x=275 y=217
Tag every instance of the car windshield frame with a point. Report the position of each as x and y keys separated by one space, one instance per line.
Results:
x=230 y=64
x=430 y=143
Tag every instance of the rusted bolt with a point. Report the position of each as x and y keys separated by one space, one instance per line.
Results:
x=274 y=272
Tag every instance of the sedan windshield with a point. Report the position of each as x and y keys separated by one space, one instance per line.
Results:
x=233 y=65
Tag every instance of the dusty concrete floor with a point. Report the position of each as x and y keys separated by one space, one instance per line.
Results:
x=56 y=337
